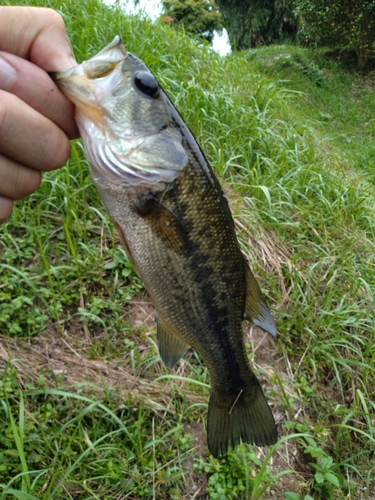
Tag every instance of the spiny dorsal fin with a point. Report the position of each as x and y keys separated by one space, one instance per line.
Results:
x=256 y=308
x=171 y=348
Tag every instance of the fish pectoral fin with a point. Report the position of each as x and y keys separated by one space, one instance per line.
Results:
x=163 y=222
x=245 y=416
x=256 y=307
x=171 y=348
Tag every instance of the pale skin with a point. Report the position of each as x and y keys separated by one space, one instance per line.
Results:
x=36 y=120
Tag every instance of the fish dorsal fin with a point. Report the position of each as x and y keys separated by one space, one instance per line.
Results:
x=256 y=308
x=163 y=222
x=171 y=348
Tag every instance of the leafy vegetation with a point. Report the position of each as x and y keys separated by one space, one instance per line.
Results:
x=87 y=409
x=257 y=22
x=197 y=17
x=346 y=24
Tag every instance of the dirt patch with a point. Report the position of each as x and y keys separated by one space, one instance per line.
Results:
x=64 y=353
x=64 y=356
x=141 y=313
x=195 y=483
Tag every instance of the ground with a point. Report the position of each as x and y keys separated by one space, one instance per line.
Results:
x=65 y=354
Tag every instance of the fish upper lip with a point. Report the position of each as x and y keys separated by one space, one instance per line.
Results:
x=115 y=44
x=72 y=71
x=113 y=52
x=59 y=76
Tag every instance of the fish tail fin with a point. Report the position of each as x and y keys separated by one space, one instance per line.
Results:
x=247 y=416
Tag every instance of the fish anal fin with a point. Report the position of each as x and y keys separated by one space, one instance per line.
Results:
x=256 y=307
x=246 y=416
x=171 y=347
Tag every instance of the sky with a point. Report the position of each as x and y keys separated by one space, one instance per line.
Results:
x=153 y=9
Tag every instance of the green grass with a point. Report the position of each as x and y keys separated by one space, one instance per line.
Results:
x=290 y=134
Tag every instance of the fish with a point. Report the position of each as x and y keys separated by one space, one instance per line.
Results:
x=173 y=219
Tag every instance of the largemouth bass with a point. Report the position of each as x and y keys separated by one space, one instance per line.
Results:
x=175 y=224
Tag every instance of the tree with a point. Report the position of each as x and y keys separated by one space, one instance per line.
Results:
x=255 y=22
x=340 y=23
x=199 y=17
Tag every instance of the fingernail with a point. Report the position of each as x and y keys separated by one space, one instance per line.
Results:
x=8 y=75
x=6 y=206
x=62 y=64
x=73 y=61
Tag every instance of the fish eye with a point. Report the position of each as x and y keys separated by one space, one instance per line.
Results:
x=146 y=83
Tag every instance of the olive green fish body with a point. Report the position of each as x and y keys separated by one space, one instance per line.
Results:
x=198 y=257
x=203 y=303
x=174 y=221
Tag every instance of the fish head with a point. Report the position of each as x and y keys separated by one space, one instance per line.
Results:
x=125 y=119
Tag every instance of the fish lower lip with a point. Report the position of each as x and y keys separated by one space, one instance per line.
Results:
x=60 y=75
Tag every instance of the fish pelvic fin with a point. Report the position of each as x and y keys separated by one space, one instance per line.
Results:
x=245 y=417
x=171 y=348
x=256 y=307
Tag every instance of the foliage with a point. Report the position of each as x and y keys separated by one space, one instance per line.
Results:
x=291 y=495
x=326 y=478
x=257 y=22
x=231 y=478
x=197 y=17
x=52 y=426
x=348 y=24
x=291 y=136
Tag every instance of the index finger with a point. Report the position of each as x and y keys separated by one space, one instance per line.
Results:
x=37 y=34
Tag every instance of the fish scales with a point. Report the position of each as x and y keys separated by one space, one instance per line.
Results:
x=206 y=282
x=174 y=221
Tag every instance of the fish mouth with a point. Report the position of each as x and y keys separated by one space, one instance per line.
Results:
x=78 y=83
x=114 y=51
x=121 y=144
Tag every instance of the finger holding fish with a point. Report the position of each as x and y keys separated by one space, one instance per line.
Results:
x=36 y=120
x=24 y=155
x=42 y=95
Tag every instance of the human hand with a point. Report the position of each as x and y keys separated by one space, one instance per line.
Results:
x=36 y=120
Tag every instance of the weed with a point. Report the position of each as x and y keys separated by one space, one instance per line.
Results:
x=290 y=134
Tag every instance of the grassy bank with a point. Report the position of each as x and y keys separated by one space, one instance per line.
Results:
x=87 y=409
